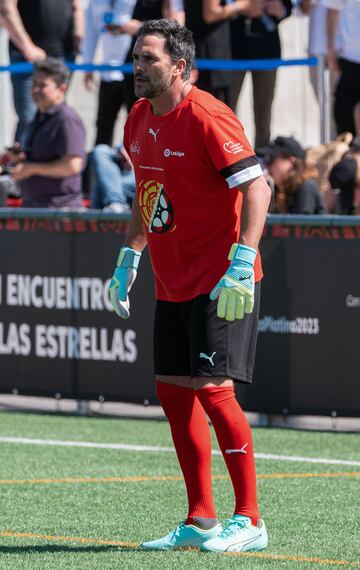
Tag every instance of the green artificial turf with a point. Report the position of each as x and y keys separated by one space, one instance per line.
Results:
x=306 y=517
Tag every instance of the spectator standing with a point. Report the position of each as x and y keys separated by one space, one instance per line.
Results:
x=111 y=21
x=38 y=29
x=321 y=77
x=317 y=37
x=209 y=20
x=49 y=169
x=258 y=38
x=296 y=190
x=343 y=25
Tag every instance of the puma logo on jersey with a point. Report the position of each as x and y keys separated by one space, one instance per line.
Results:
x=153 y=133
x=209 y=358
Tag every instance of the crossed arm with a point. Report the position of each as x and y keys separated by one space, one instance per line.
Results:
x=67 y=165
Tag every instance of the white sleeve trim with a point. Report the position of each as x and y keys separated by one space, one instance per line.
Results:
x=244 y=175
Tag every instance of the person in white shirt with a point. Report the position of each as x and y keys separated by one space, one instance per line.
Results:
x=111 y=22
x=343 y=28
x=317 y=44
x=320 y=74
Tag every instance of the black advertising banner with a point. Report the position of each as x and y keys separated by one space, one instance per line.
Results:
x=58 y=332
x=307 y=353
x=59 y=335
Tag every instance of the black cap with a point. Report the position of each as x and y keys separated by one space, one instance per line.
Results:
x=281 y=146
x=343 y=175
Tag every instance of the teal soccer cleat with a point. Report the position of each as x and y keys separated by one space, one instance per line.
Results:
x=239 y=535
x=184 y=536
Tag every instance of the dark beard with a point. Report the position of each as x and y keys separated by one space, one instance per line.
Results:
x=154 y=88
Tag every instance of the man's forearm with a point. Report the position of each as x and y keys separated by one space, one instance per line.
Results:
x=11 y=20
x=255 y=206
x=79 y=23
x=60 y=168
x=136 y=237
x=213 y=11
x=332 y=19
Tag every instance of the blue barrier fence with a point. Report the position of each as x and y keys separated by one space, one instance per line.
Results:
x=210 y=64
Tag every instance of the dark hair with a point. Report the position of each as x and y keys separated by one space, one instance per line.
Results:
x=179 y=40
x=54 y=68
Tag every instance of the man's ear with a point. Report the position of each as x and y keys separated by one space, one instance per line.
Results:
x=180 y=66
x=63 y=87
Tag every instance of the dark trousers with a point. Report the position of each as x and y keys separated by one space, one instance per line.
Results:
x=347 y=94
x=112 y=96
x=263 y=95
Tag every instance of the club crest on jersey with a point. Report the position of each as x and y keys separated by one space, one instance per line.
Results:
x=135 y=147
x=156 y=208
x=233 y=147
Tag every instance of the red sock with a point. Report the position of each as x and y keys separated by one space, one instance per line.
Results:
x=191 y=436
x=233 y=433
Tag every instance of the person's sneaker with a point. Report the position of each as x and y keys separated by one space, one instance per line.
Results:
x=238 y=535
x=182 y=537
x=117 y=208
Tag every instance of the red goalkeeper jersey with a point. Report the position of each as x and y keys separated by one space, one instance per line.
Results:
x=188 y=164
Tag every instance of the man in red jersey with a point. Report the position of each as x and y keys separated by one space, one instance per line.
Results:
x=201 y=201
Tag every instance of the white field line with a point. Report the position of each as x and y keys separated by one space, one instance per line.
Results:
x=128 y=447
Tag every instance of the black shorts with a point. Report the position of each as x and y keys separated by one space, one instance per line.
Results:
x=190 y=340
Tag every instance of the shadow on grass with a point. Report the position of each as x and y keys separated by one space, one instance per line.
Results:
x=53 y=548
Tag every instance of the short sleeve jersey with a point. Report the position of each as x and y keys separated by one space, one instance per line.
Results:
x=188 y=164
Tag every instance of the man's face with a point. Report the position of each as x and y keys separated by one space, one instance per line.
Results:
x=45 y=91
x=153 y=68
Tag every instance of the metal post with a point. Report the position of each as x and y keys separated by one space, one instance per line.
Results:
x=82 y=407
x=5 y=92
x=323 y=81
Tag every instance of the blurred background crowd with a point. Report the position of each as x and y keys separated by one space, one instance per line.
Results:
x=62 y=134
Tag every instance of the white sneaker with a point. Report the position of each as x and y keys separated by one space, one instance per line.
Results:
x=182 y=537
x=117 y=208
x=238 y=535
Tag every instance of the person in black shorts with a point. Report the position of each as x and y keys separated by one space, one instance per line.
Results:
x=200 y=207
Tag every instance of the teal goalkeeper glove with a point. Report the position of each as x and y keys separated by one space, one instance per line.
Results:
x=122 y=280
x=235 y=290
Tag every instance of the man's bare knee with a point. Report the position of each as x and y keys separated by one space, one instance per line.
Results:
x=201 y=382
x=183 y=381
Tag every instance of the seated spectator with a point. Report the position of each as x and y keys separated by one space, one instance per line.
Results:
x=296 y=191
x=113 y=186
x=344 y=178
x=49 y=168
